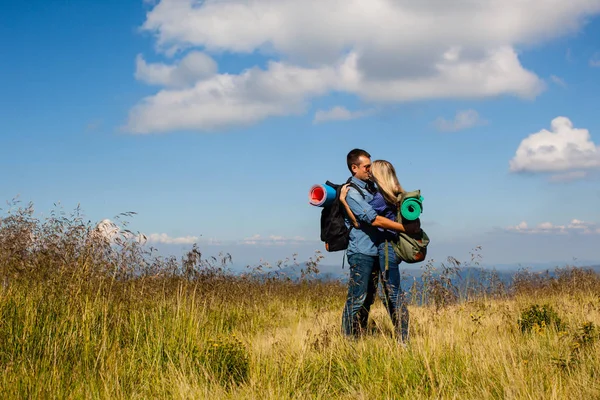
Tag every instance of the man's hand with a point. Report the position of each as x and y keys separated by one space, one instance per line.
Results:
x=412 y=226
x=383 y=222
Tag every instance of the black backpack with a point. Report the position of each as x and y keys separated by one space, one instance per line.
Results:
x=334 y=231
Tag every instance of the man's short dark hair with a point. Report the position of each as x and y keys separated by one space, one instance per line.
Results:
x=353 y=155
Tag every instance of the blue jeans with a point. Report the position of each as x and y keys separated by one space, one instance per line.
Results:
x=362 y=285
x=394 y=297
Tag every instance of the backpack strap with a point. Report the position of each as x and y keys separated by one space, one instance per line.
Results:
x=349 y=181
x=355 y=186
x=386 y=255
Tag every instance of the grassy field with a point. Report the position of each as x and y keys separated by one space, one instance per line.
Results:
x=81 y=318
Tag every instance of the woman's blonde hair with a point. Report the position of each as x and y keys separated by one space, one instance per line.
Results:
x=384 y=175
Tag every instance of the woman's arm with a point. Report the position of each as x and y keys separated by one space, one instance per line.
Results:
x=343 y=194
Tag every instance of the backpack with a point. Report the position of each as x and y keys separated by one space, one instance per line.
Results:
x=410 y=247
x=334 y=232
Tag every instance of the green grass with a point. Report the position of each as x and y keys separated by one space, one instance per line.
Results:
x=280 y=340
x=83 y=318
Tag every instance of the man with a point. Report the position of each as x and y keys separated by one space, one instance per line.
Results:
x=362 y=248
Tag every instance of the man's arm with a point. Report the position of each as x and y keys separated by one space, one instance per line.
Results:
x=362 y=210
x=385 y=223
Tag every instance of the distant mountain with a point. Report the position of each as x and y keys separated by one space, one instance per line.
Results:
x=467 y=278
x=414 y=272
x=541 y=266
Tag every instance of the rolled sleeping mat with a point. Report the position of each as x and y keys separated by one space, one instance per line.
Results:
x=411 y=209
x=321 y=195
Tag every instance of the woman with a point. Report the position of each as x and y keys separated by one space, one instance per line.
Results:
x=385 y=204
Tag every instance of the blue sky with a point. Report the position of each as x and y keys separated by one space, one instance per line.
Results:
x=212 y=120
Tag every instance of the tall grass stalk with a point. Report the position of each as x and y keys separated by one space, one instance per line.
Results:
x=91 y=316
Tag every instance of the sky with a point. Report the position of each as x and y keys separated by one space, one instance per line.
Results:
x=212 y=119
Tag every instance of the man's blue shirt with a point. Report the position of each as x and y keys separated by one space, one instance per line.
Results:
x=364 y=238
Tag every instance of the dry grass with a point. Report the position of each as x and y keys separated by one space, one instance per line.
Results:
x=83 y=317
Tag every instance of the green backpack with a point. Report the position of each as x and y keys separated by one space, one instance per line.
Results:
x=410 y=247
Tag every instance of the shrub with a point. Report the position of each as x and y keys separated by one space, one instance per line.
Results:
x=585 y=336
x=537 y=316
x=227 y=360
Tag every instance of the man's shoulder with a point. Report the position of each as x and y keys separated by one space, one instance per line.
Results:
x=356 y=189
x=356 y=193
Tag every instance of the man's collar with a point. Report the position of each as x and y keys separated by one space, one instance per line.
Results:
x=370 y=186
x=360 y=183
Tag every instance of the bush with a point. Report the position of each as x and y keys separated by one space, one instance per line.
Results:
x=539 y=317
x=227 y=360
x=585 y=336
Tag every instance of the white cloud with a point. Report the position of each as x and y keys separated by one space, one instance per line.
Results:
x=569 y=55
x=568 y=176
x=231 y=100
x=166 y=239
x=575 y=226
x=564 y=148
x=109 y=231
x=339 y=113
x=558 y=81
x=595 y=61
x=462 y=120
x=273 y=240
x=192 y=68
x=106 y=229
x=93 y=125
x=282 y=89
x=317 y=30
x=379 y=50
